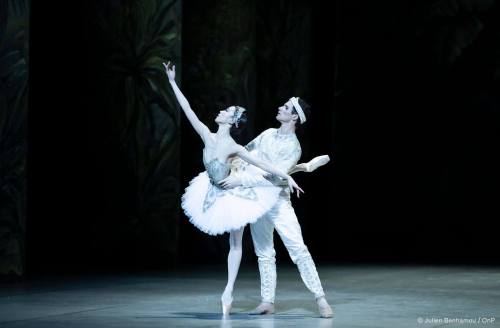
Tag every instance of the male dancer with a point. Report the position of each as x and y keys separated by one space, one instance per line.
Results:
x=282 y=148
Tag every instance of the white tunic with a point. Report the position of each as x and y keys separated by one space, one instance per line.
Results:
x=281 y=150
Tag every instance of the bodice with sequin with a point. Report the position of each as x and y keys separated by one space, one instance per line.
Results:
x=216 y=170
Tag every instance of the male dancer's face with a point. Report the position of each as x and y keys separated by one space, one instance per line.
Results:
x=285 y=113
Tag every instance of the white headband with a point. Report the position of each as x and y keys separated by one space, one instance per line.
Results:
x=295 y=103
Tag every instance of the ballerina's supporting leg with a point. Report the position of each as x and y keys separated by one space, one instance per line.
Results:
x=233 y=265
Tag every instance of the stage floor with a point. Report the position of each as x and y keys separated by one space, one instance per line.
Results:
x=362 y=296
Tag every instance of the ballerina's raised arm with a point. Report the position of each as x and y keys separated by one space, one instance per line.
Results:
x=198 y=126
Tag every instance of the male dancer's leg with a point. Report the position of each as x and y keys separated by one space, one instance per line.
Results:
x=262 y=236
x=286 y=224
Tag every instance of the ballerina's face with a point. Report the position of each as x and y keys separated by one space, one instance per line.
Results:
x=226 y=116
x=285 y=113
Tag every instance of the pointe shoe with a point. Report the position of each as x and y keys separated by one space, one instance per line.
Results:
x=311 y=165
x=263 y=308
x=226 y=307
x=324 y=308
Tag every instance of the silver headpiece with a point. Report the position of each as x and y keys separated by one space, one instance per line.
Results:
x=238 y=111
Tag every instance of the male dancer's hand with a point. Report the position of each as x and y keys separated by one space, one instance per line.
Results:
x=230 y=182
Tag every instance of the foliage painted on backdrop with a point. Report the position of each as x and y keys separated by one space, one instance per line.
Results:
x=135 y=37
x=14 y=27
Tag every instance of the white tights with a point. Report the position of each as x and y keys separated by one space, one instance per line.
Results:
x=233 y=262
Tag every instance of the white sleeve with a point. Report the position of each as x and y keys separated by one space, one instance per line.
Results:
x=249 y=175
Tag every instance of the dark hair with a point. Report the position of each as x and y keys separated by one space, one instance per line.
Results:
x=305 y=108
x=240 y=125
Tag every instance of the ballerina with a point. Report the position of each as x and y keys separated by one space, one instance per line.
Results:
x=215 y=210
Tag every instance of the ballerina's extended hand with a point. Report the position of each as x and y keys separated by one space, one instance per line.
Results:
x=170 y=70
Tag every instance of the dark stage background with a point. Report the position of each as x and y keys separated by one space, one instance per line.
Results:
x=404 y=98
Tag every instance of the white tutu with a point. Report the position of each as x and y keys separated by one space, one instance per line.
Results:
x=214 y=210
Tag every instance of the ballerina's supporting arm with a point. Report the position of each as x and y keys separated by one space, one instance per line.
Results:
x=198 y=126
x=232 y=181
x=246 y=156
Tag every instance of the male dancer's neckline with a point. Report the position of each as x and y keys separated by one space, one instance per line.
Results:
x=285 y=132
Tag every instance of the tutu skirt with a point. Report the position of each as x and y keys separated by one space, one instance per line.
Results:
x=215 y=211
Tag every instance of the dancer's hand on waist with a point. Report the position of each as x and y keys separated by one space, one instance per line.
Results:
x=230 y=182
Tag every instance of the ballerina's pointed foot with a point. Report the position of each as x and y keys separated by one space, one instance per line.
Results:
x=226 y=308
x=226 y=302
